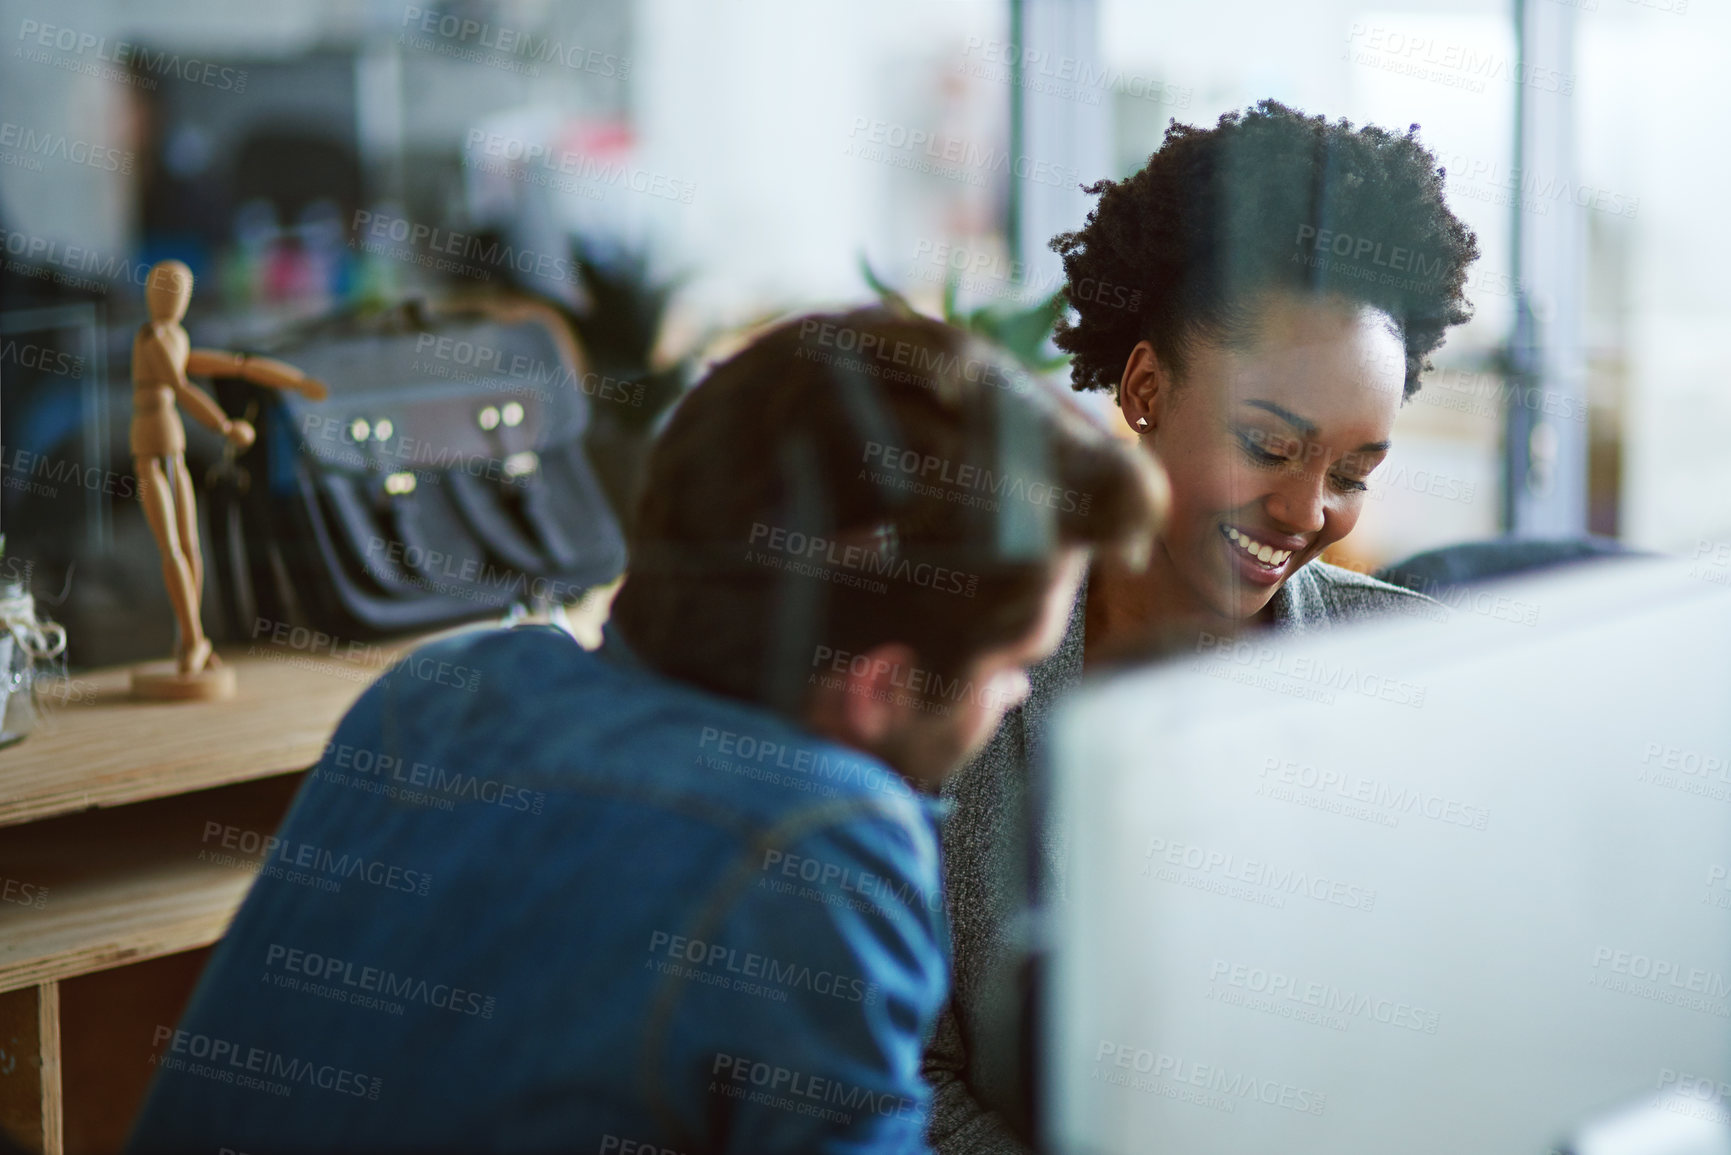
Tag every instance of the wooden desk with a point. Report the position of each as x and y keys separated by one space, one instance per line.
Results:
x=104 y=811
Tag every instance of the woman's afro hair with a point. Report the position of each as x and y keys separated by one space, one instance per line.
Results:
x=1268 y=199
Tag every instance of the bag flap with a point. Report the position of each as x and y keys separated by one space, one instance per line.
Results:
x=473 y=395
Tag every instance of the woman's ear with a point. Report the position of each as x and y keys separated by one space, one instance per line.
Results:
x=1143 y=389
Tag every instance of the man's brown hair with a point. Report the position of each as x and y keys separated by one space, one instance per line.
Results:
x=853 y=479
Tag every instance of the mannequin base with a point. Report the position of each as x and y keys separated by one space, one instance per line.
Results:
x=162 y=682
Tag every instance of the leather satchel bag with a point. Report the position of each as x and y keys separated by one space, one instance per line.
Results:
x=443 y=478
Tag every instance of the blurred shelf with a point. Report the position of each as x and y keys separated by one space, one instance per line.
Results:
x=119 y=822
x=103 y=749
x=120 y=886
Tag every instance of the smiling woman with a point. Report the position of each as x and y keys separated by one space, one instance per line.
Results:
x=1286 y=280
x=1294 y=275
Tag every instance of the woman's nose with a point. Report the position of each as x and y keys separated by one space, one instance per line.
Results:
x=1296 y=504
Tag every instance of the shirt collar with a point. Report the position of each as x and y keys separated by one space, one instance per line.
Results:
x=616 y=650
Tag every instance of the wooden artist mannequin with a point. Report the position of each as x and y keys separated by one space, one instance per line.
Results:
x=162 y=356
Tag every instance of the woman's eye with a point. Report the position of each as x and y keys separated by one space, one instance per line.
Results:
x=1258 y=449
x=1349 y=484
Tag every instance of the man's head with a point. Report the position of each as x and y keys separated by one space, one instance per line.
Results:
x=871 y=523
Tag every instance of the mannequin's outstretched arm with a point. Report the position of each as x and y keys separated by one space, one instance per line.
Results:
x=264 y=371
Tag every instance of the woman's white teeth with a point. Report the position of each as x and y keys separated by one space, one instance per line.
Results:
x=1266 y=554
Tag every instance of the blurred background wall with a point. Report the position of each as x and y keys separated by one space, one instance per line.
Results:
x=755 y=152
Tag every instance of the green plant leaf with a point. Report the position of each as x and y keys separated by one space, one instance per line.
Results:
x=887 y=295
x=1020 y=330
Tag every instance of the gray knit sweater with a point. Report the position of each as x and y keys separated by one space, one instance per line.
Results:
x=971 y=1062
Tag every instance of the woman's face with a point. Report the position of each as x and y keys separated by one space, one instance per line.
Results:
x=1268 y=446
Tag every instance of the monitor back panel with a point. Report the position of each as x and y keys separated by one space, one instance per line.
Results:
x=1420 y=886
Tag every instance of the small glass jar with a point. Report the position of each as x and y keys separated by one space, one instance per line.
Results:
x=21 y=636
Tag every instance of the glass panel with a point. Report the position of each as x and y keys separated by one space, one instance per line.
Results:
x=1452 y=72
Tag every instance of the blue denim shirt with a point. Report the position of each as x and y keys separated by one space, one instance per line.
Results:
x=534 y=898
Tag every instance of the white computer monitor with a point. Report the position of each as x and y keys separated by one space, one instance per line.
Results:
x=1418 y=886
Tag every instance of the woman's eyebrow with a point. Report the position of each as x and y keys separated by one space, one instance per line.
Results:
x=1310 y=430
x=1287 y=416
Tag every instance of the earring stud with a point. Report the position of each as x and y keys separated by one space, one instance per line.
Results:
x=1141 y=423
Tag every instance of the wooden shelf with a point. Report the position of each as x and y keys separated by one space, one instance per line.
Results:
x=102 y=749
x=109 y=808
x=128 y=884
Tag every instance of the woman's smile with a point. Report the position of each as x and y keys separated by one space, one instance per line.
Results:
x=1255 y=558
